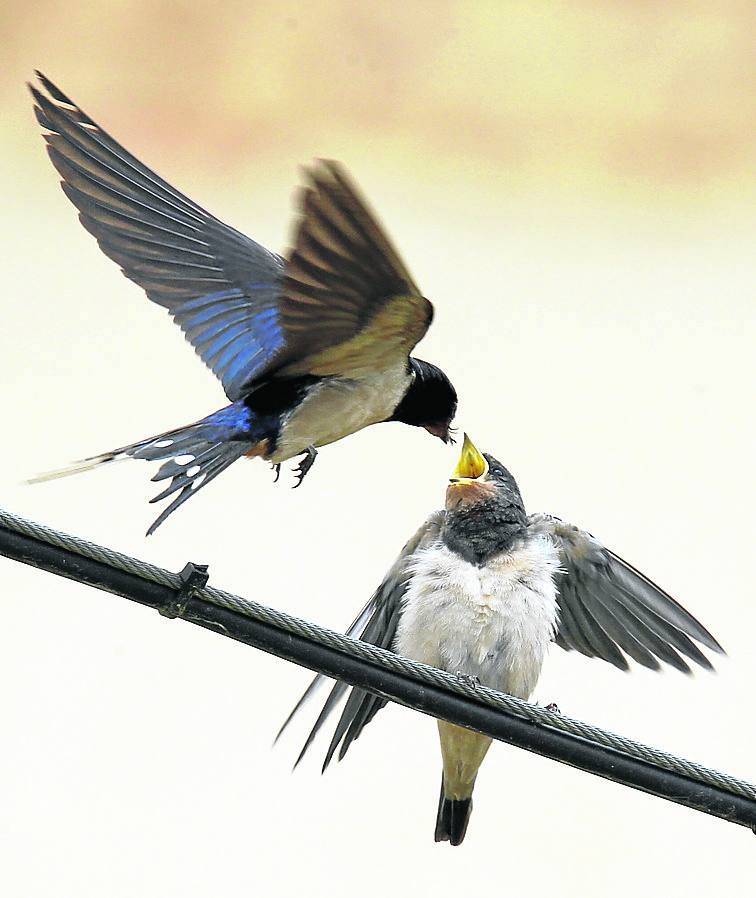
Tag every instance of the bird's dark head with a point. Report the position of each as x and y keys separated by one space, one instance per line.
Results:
x=485 y=512
x=430 y=401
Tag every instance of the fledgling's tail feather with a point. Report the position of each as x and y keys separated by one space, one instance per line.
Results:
x=192 y=455
x=452 y=819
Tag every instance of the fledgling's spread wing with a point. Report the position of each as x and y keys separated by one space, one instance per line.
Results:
x=376 y=624
x=609 y=610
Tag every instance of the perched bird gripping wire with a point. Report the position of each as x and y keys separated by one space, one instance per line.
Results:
x=481 y=590
x=309 y=349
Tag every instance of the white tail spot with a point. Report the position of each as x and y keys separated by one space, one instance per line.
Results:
x=183 y=459
x=195 y=469
x=198 y=482
x=161 y=444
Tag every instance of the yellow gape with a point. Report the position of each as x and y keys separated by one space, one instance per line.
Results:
x=471 y=465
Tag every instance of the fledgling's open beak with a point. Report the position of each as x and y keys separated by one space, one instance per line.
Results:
x=471 y=465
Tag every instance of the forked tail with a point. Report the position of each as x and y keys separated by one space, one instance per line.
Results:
x=192 y=455
x=463 y=751
x=452 y=818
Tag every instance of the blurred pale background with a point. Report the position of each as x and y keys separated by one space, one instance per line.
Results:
x=573 y=186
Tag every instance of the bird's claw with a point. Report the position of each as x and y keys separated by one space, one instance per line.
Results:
x=277 y=469
x=310 y=454
x=468 y=680
x=553 y=707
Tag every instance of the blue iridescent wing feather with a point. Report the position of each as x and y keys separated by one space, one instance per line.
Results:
x=221 y=287
x=236 y=338
x=249 y=313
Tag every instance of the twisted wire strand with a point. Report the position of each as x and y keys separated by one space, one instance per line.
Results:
x=383 y=658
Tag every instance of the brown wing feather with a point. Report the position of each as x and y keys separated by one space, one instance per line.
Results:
x=347 y=297
x=376 y=624
x=608 y=609
x=344 y=300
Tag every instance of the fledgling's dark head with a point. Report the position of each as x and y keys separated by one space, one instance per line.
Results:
x=430 y=401
x=484 y=509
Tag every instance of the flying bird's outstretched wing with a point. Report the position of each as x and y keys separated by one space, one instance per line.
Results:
x=219 y=286
x=342 y=301
x=608 y=609
x=376 y=624
x=348 y=302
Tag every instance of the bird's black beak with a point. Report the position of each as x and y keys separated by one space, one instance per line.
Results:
x=440 y=430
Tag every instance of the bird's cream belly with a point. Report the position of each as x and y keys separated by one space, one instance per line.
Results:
x=337 y=408
x=493 y=622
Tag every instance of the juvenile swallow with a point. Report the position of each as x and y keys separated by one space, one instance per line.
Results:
x=480 y=591
x=309 y=348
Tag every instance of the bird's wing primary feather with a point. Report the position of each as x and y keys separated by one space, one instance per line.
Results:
x=343 y=301
x=376 y=624
x=348 y=301
x=610 y=610
x=218 y=285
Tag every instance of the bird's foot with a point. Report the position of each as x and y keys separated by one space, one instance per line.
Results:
x=468 y=680
x=553 y=707
x=310 y=454
x=277 y=469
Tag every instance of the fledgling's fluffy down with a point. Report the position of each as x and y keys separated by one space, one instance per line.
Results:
x=492 y=621
x=481 y=590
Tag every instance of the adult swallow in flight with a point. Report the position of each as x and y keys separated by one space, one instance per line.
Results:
x=481 y=590
x=309 y=348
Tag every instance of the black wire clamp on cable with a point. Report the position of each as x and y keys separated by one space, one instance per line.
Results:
x=193 y=577
x=381 y=672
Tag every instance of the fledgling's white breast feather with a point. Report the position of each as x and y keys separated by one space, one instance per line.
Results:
x=493 y=622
